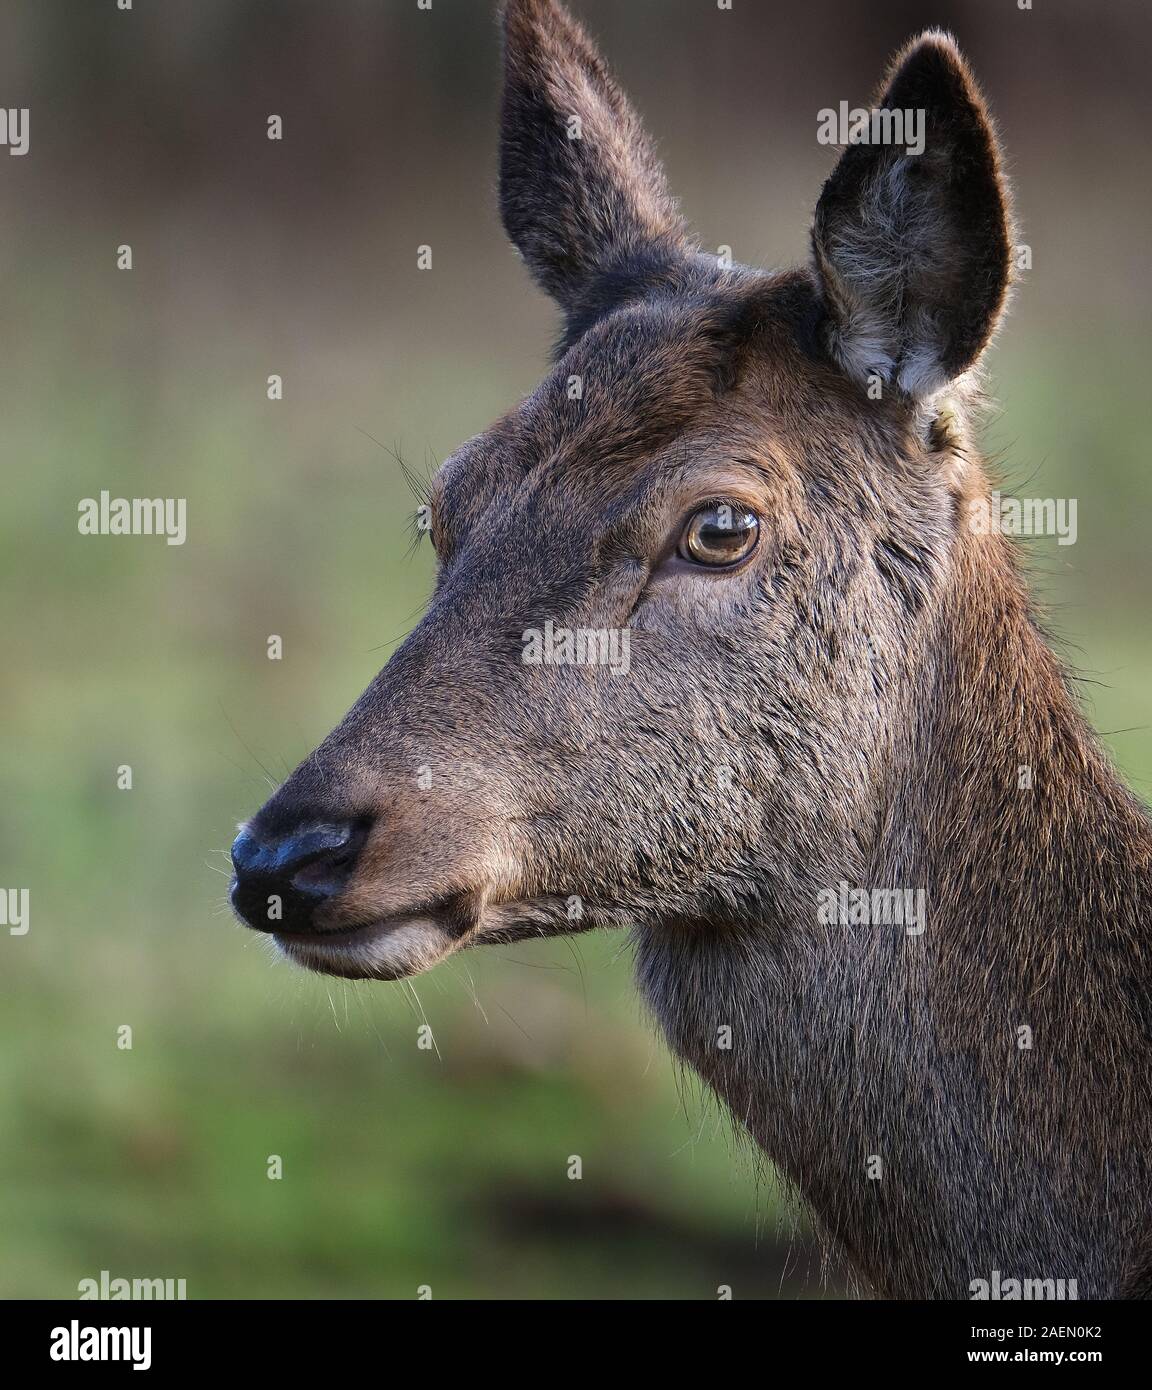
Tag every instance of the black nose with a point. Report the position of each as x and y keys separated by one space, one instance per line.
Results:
x=282 y=879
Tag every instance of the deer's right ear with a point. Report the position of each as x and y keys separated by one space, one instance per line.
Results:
x=582 y=193
x=914 y=248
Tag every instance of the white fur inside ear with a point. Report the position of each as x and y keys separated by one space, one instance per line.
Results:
x=862 y=345
x=870 y=267
x=921 y=373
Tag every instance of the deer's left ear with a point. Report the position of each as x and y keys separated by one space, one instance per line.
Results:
x=914 y=249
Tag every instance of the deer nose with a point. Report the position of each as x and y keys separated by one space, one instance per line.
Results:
x=281 y=880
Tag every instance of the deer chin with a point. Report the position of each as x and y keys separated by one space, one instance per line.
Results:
x=410 y=943
x=390 y=949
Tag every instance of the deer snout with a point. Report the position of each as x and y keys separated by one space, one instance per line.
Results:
x=282 y=879
x=376 y=858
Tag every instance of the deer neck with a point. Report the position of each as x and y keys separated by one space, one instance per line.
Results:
x=972 y=1096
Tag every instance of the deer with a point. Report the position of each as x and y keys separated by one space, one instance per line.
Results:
x=836 y=687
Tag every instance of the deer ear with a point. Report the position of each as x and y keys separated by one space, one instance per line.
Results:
x=914 y=249
x=582 y=193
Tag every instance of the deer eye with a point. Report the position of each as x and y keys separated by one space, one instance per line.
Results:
x=721 y=534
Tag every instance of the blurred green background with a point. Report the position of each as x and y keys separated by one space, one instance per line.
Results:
x=405 y=1167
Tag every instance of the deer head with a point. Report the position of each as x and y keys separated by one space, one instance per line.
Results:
x=685 y=587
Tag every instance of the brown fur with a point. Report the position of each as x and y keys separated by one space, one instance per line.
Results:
x=854 y=705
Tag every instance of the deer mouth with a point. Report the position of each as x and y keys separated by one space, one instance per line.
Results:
x=411 y=942
x=388 y=949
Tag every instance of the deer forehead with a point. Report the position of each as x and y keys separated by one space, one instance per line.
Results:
x=667 y=397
